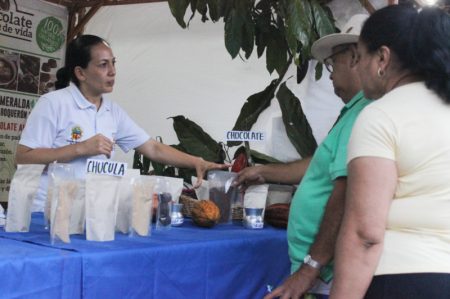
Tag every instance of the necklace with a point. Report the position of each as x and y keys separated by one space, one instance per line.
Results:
x=407 y=78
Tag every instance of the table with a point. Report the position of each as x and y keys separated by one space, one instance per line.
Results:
x=227 y=261
x=33 y=271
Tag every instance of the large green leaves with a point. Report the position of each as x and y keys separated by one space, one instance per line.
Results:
x=286 y=28
x=195 y=141
x=260 y=158
x=322 y=19
x=297 y=127
x=239 y=30
x=252 y=108
x=276 y=56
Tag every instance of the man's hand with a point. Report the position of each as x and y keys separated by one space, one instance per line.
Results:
x=250 y=176
x=296 y=285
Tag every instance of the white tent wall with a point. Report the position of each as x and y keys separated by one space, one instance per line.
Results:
x=164 y=70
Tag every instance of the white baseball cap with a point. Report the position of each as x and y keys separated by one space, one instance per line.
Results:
x=322 y=48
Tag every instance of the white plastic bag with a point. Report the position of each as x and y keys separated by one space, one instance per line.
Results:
x=101 y=206
x=256 y=196
x=64 y=194
x=123 y=221
x=202 y=191
x=142 y=201
x=23 y=188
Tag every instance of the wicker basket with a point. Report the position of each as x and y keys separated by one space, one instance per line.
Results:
x=189 y=202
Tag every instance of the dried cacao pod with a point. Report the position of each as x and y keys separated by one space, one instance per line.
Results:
x=205 y=213
x=277 y=214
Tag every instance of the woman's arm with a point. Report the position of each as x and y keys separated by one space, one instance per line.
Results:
x=371 y=187
x=96 y=145
x=168 y=155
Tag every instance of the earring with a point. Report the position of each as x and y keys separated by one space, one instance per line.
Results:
x=380 y=73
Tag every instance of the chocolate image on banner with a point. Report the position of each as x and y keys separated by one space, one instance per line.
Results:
x=8 y=70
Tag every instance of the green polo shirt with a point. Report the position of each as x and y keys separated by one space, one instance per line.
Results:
x=308 y=204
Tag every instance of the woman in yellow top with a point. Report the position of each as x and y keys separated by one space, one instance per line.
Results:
x=394 y=240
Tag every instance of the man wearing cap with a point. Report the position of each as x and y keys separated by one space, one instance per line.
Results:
x=318 y=204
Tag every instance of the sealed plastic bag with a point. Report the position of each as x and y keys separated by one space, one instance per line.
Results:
x=202 y=192
x=78 y=213
x=223 y=193
x=255 y=197
x=2 y=216
x=64 y=194
x=23 y=188
x=126 y=190
x=62 y=171
x=101 y=206
x=164 y=198
x=141 y=215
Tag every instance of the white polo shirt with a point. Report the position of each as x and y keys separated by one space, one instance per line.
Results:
x=66 y=117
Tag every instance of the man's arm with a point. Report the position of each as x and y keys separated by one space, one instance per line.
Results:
x=321 y=250
x=287 y=173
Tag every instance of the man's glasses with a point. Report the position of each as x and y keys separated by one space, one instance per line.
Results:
x=329 y=61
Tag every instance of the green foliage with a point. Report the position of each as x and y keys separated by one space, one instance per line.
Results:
x=195 y=141
x=284 y=28
x=254 y=105
x=297 y=128
x=285 y=31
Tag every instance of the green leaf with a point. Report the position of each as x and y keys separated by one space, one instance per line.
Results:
x=248 y=36
x=225 y=8
x=276 y=55
x=319 y=69
x=233 y=33
x=261 y=158
x=178 y=9
x=297 y=127
x=323 y=24
x=262 y=31
x=202 y=9
x=252 y=108
x=299 y=25
x=196 y=141
x=214 y=12
x=193 y=6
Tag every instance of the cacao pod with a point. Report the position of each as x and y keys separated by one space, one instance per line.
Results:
x=277 y=214
x=205 y=213
x=240 y=162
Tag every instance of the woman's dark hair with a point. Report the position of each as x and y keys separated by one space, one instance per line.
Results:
x=78 y=53
x=420 y=40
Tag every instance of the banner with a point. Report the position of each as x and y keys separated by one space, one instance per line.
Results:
x=32 y=47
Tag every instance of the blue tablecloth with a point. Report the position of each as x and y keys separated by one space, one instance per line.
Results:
x=33 y=271
x=227 y=261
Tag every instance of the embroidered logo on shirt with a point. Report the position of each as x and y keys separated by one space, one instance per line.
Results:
x=75 y=134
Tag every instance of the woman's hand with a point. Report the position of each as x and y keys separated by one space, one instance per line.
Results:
x=96 y=145
x=202 y=166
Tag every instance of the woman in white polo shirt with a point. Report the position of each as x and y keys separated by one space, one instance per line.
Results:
x=394 y=240
x=78 y=122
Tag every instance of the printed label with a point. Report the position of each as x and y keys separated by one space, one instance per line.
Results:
x=106 y=167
